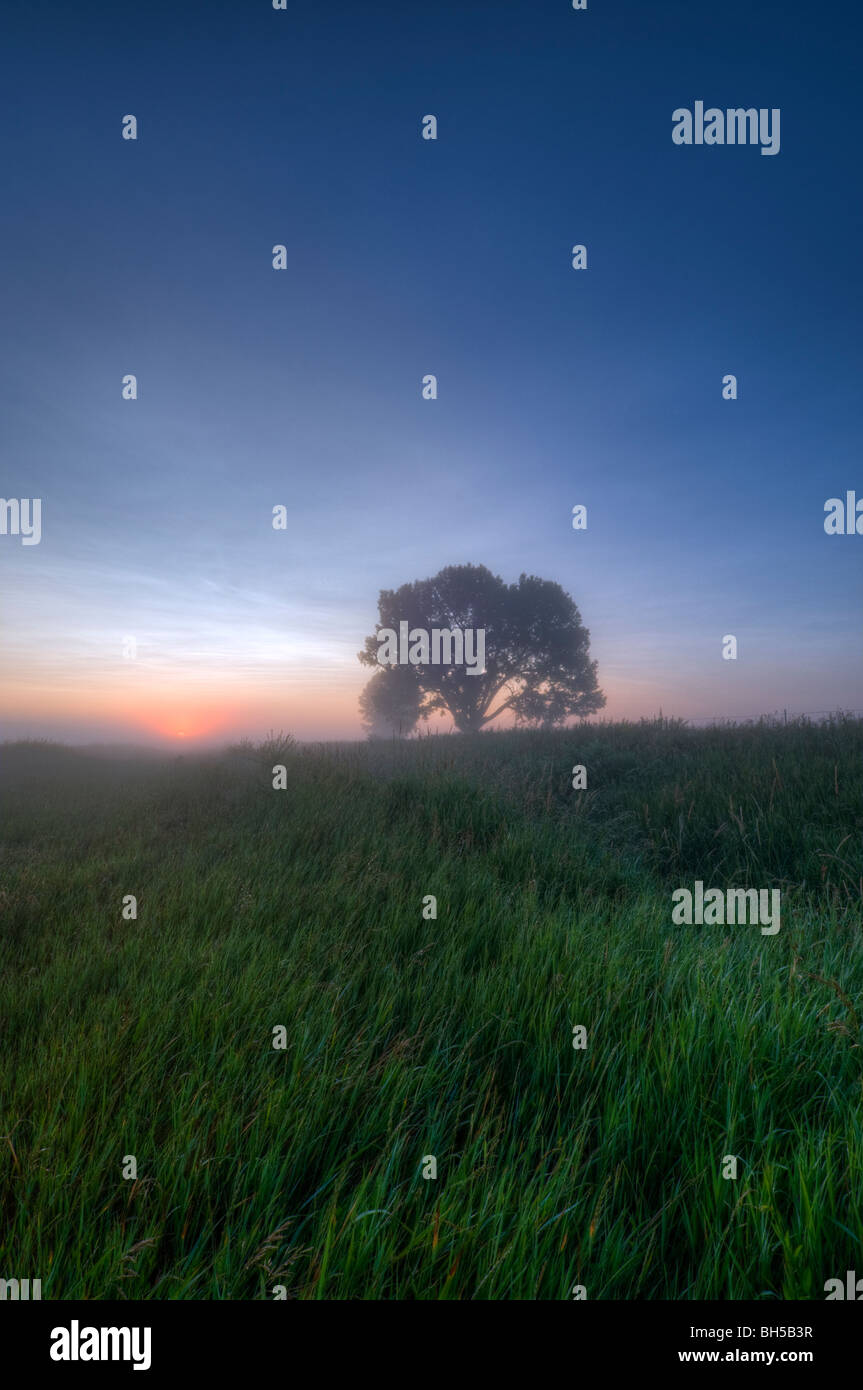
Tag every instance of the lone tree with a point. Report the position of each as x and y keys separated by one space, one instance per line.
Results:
x=536 y=653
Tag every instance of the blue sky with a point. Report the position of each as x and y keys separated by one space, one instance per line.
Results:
x=408 y=257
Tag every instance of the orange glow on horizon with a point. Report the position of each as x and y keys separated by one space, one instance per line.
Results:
x=182 y=713
x=179 y=712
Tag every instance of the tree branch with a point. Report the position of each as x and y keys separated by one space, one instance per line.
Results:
x=506 y=704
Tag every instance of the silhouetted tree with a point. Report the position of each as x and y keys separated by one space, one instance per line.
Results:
x=536 y=650
x=390 y=703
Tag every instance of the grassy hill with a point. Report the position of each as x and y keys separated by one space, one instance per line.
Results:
x=451 y=1037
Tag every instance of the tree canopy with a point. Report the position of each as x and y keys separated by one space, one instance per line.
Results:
x=537 y=661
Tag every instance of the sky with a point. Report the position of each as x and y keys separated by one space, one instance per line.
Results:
x=406 y=257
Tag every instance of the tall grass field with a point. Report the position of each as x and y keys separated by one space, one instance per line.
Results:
x=303 y=1170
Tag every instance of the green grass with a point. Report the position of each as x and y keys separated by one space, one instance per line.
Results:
x=453 y=1037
